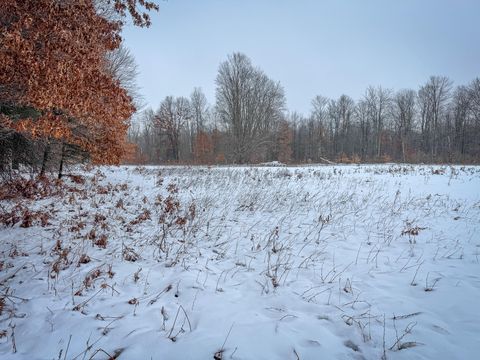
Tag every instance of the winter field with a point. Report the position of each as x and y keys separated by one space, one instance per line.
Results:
x=317 y=262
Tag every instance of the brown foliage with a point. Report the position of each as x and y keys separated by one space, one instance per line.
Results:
x=53 y=61
x=284 y=139
x=203 y=148
x=132 y=154
x=140 y=18
x=33 y=189
x=144 y=216
x=101 y=241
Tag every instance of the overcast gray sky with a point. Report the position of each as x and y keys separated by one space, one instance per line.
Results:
x=312 y=47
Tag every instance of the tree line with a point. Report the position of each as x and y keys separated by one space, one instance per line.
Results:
x=249 y=123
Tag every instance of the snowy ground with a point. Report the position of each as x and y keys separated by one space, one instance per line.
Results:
x=327 y=262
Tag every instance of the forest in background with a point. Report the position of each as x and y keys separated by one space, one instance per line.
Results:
x=249 y=123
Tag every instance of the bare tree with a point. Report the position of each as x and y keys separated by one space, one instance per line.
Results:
x=121 y=66
x=474 y=90
x=172 y=116
x=465 y=107
x=318 y=119
x=333 y=126
x=403 y=114
x=299 y=141
x=363 y=120
x=378 y=101
x=198 y=101
x=249 y=103
x=433 y=98
x=461 y=105
x=345 y=109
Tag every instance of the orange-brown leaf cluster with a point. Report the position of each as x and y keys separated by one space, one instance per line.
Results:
x=204 y=148
x=52 y=59
x=139 y=18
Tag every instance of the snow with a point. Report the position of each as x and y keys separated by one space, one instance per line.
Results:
x=272 y=164
x=343 y=262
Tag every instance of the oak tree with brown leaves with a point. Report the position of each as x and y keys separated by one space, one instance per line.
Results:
x=55 y=82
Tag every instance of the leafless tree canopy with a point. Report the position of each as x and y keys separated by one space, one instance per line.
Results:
x=249 y=103
x=121 y=64
x=171 y=118
x=249 y=123
x=199 y=104
x=403 y=112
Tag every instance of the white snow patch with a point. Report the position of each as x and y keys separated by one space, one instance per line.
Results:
x=344 y=262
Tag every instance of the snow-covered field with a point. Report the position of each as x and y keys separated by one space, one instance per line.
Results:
x=320 y=262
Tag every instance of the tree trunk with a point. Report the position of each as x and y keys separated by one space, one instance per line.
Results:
x=60 y=168
x=46 y=154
